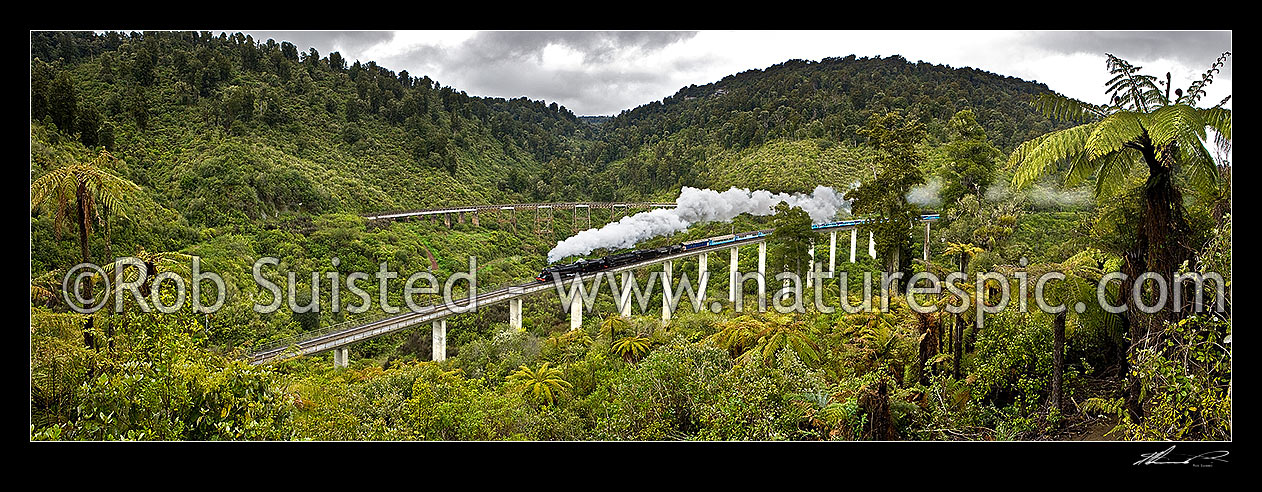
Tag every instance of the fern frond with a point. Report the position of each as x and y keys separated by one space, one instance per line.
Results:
x=1219 y=119
x=1179 y=123
x=1058 y=107
x=1128 y=85
x=1198 y=167
x=1053 y=147
x=103 y=194
x=49 y=185
x=1022 y=151
x=1104 y=406
x=1197 y=90
x=1080 y=168
x=1112 y=173
x=1114 y=132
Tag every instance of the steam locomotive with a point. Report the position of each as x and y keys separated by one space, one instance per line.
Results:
x=583 y=267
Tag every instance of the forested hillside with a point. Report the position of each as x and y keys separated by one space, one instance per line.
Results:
x=833 y=98
x=268 y=125
x=830 y=99
x=227 y=129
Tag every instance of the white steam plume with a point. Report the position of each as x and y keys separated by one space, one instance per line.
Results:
x=697 y=206
x=928 y=194
x=1043 y=196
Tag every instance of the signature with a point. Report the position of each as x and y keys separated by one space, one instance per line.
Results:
x=1160 y=458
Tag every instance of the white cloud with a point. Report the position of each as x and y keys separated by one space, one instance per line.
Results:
x=560 y=57
x=405 y=42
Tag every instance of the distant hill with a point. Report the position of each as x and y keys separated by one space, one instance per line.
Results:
x=595 y=120
x=228 y=129
x=832 y=98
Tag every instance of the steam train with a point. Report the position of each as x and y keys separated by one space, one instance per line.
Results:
x=583 y=267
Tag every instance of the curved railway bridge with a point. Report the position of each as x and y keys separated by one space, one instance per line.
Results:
x=339 y=337
x=544 y=214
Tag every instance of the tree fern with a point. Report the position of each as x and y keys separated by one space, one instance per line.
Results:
x=101 y=192
x=632 y=348
x=1140 y=124
x=543 y=384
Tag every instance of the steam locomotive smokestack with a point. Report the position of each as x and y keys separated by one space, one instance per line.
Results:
x=697 y=206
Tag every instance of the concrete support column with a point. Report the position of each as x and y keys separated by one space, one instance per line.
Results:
x=832 y=253
x=341 y=357
x=439 y=349
x=871 y=244
x=810 y=266
x=854 y=233
x=926 y=241
x=762 y=270
x=475 y=218
x=625 y=295
x=667 y=274
x=703 y=266
x=514 y=314
x=447 y=219
x=733 y=279
x=576 y=312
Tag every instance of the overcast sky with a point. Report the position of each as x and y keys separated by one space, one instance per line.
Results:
x=603 y=73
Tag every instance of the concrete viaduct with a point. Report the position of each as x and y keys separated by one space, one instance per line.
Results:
x=543 y=213
x=339 y=337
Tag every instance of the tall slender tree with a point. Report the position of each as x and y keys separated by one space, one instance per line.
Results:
x=88 y=188
x=63 y=102
x=896 y=171
x=792 y=236
x=971 y=158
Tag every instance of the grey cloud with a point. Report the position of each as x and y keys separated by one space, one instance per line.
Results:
x=506 y=64
x=349 y=43
x=598 y=91
x=596 y=46
x=1191 y=48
